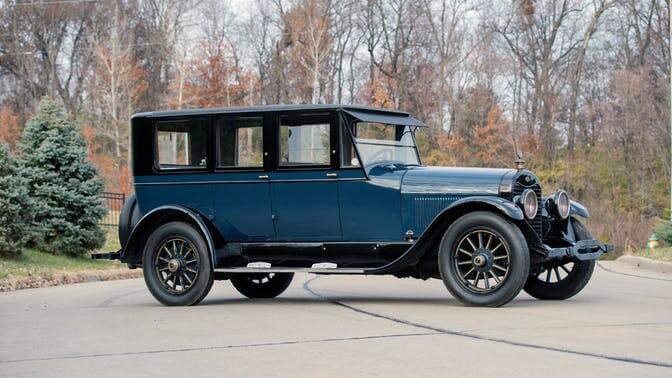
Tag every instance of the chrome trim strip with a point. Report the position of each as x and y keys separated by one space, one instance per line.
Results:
x=246 y=181
x=293 y=270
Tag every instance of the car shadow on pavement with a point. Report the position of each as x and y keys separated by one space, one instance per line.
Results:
x=401 y=301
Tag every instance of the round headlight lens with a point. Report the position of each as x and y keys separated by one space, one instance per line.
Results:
x=562 y=205
x=530 y=203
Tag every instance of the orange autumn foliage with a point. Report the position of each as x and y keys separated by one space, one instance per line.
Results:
x=10 y=126
x=489 y=146
x=215 y=81
x=116 y=180
x=376 y=94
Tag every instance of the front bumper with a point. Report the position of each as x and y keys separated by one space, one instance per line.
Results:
x=581 y=250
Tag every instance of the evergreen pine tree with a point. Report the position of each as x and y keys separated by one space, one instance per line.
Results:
x=15 y=206
x=64 y=185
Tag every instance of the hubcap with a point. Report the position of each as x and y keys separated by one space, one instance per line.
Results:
x=482 y=261
x=173 y=265
x=176 y=265
x=479 y=261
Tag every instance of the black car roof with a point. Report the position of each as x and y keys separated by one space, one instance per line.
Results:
x=268 y=108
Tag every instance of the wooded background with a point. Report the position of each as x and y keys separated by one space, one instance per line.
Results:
x=579 y=88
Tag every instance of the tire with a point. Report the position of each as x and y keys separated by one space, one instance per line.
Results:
x=261 y=285
x=542 y=286
x=177 y=241
x=457 y=257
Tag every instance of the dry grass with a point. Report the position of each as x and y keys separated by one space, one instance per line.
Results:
x=39 y=269
x=660 y=254
x=627 y=231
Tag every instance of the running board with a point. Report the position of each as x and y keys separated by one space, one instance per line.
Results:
x=294 y=270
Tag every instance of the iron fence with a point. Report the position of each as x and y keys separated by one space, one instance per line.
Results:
x=114 y=203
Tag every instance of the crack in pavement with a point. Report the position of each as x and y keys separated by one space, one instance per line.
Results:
x=633 y=275
x=468 y=334
x=434 y=331
x=588 y=326
x=113 y=299
x=219 y=347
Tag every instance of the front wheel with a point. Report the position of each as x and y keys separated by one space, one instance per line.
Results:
x=562 y=279
x=483 y=259
x=261 y=285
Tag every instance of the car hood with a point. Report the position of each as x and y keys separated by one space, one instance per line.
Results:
x=450 y=180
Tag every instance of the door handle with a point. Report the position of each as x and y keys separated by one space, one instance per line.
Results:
x=263 y=177
x=332 y=174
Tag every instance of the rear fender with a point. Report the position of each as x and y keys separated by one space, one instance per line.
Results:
x=133 y=248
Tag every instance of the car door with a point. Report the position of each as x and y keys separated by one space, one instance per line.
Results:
x=240 y=184
x=370 y=207
x=304 y=188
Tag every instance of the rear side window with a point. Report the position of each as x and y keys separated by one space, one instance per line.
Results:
x=304 y=143
x=241 y=142
x=182 y=144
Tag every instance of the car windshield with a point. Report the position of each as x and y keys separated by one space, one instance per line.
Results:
x=377 y=142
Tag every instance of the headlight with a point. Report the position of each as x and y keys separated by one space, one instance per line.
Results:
x=529 y=202
x=561 y=205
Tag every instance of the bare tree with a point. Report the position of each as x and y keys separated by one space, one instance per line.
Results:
x=446 y=23
x=117 y=78
x=599 y=7
x=541 y=36
x=43 y=47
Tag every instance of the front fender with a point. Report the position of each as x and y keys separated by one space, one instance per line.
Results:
x=576 y=208
x=158 y=216
x=442 y=221
x=502 y=205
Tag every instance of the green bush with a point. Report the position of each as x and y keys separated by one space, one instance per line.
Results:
x=15 y=206
x=65 y=186
x=664 y=231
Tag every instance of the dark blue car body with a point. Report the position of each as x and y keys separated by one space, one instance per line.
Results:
x=338 y=216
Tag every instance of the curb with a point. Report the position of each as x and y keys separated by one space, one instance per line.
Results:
x=648 y=264
x=65 y=278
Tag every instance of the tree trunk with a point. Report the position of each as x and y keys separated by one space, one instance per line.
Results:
x=577 y=71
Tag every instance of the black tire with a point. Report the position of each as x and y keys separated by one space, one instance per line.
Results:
x=158 y=246
x=564 y=287
x=261 y=285
x=517 y=259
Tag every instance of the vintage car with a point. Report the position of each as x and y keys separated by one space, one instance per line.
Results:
x=255 y=194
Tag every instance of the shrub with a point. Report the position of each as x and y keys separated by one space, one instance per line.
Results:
x=65 y=186
x=15 y=206
x=664 y=231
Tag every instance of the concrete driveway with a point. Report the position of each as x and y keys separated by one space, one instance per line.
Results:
x=620 y=325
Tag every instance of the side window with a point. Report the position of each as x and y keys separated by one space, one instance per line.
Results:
x=241 y=142
x=348 y=153
x=182 y=144
x=304 y=142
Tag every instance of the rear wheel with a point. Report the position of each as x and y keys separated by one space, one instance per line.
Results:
x=562 y=279
x=262 y=285
x=483 y=259
x=176 y=265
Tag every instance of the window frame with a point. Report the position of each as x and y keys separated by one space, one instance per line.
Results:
x=328 y=117
x=223 y=168
x=156 y=165
x=345 y=136
x=348 y=122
